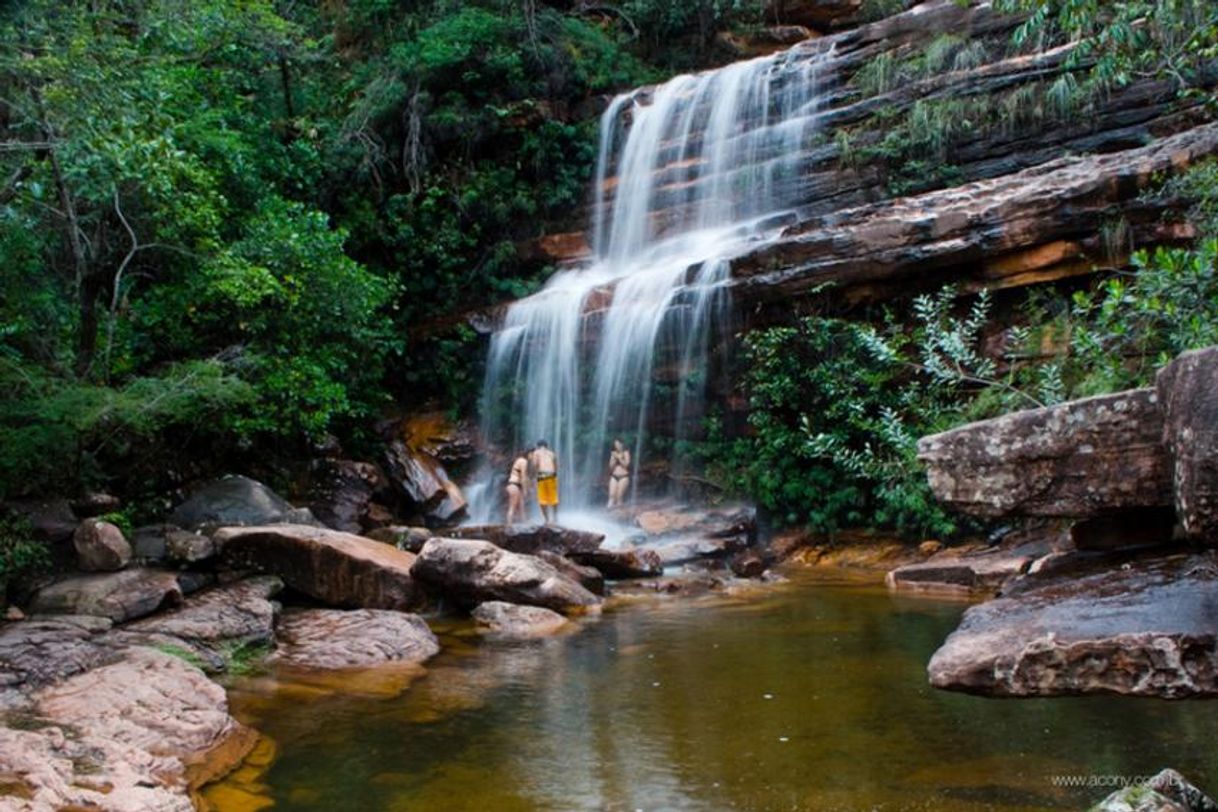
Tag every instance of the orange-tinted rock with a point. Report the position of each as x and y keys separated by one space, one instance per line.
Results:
x=336 y=568
x=333 y=639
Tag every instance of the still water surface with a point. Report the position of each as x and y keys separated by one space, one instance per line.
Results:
x=812 y=696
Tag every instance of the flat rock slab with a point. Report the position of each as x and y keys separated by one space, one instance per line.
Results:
x=144 y=731
x=1078 y=459
x=332 y=639
x=40 y=651
x=239 y=612
x=510 y=621
x=118 y=596
x=530 y=539
x=1147 y=630
x=472 y=572
x=336 y=568
x=968 y=573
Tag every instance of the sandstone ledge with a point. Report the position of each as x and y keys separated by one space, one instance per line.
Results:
x=1148 y=629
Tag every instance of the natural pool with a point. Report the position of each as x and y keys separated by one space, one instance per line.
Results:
x=811 y=696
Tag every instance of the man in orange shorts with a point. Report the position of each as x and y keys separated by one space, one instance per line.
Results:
x=545 y=463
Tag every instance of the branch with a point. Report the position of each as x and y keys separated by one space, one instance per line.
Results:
x=592 y=7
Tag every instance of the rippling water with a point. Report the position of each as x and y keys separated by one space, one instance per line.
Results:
x=809 y=697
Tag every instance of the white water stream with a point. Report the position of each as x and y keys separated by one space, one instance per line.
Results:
x=690 y=174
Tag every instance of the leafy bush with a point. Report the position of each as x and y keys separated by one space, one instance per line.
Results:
x=21 y=556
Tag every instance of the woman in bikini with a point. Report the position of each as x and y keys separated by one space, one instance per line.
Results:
x=515 y=487
x=619 y=474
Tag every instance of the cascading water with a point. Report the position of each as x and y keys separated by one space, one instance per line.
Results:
x=690 y=173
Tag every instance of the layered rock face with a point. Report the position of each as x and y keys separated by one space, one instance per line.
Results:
x=1078 y=459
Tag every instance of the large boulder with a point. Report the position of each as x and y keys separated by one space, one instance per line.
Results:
x=236 y=500
x=512 y=622
x=590 y=578
x=344 y=493
x=118 y=596
x=531 y=539
x=1188 y=391
x=133 y=735
x=421 y=478
x=336 y=568
x=1078 y=459
x=100 y=547
x=473 y=572
x=1146 y=629
x=330 y=639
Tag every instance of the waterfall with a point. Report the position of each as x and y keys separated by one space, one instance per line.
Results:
x=690 y=173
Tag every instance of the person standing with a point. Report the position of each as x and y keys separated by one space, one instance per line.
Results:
x=517 y=477
x=619 y=474
x=545 y=463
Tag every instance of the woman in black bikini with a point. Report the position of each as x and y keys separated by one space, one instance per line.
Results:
x=517 y=478
x=619 y=474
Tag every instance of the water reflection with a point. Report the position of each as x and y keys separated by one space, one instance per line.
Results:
x=813 y=697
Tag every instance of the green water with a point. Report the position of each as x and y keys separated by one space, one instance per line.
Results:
x=809 y=697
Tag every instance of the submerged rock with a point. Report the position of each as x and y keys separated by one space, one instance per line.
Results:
x=336 y=568
x=473 y=572
x=118 y=596
x=748 y=564
x=331 y=639
x=100 y=547
x=510 y=621
x=236 y=500
x=1147 y=629
x=1188 y=391
x=1060 y=461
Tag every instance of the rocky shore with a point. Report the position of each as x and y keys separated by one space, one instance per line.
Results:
x=1114 y=589
x=107 y=691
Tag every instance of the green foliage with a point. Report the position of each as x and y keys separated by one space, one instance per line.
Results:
x=1130 y=326
x=224 y=226
x=1117 y=42
x=21 y=556
x=836 y=409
